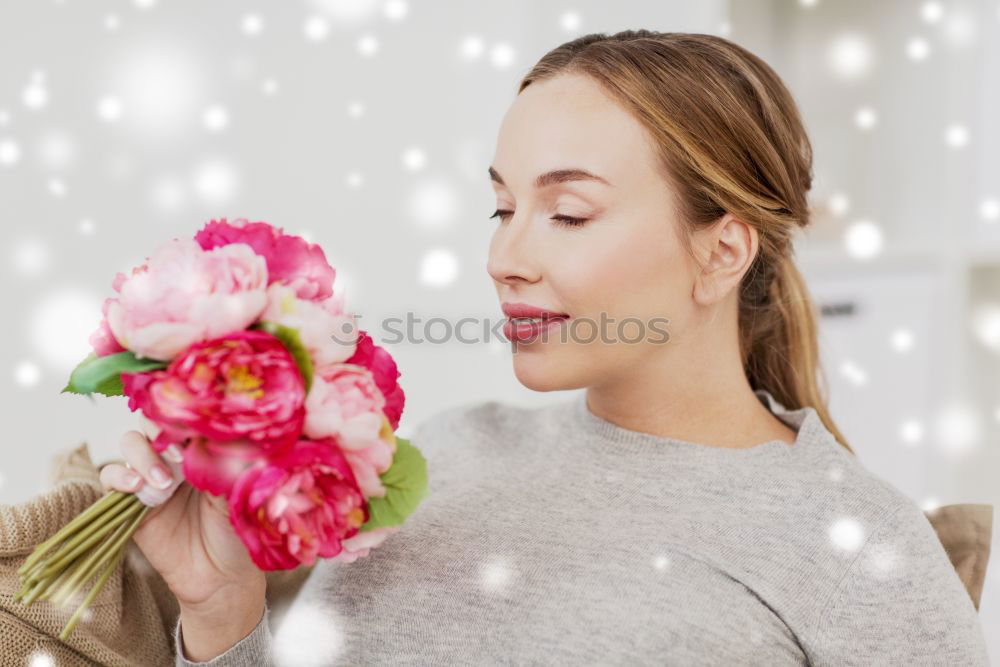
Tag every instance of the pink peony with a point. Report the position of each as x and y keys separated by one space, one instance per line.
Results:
x=383 y=369
x=327 y=332
x=370 y=461
x=102 y=340
x=290 y=259
x=344 y=402
x=244 y=386
x=358 y=546
x=298 y=506
x=184 y=295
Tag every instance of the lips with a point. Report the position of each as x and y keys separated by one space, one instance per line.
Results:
x=523 y=310
x=525 y=323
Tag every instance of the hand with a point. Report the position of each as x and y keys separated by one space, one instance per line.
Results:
x=189 y=540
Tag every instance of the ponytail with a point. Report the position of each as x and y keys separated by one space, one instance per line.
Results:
x=779 y=339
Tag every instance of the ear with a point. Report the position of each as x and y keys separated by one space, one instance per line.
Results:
x=727 y=248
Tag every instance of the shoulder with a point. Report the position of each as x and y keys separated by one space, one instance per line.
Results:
x=836 y=482
x=900 y=597
x=895 y=591
x=863 y=511
x=828 y=475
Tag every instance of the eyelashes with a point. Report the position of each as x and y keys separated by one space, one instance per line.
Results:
x=569 y=221
x=564 y=220
x=502 y=214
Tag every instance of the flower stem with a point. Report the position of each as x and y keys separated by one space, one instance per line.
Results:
x=118 y=548
x=92 y=561
x=30 y=591
x=72 y=539
x=94 y=541
x=97 y=507
x=87 y=536
x=43 y=587
x=71 y=624
x=42 y=582
x=56 y=582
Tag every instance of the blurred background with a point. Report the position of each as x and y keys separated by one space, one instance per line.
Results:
x=368 y=126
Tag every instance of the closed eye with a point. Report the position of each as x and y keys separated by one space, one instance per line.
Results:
x=568 y=220
x=565 y=220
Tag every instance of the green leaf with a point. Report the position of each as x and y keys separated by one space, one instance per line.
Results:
x=102 y=375
x=289 y=337
x=112 y=386
x=405 y=488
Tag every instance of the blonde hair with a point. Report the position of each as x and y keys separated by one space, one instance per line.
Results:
x=730 y=139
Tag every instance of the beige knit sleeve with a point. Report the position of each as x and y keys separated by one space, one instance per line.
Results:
x=134 y=602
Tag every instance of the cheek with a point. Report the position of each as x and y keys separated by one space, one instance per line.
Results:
x=628 y=274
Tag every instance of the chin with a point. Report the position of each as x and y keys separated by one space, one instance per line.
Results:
x=545 y=372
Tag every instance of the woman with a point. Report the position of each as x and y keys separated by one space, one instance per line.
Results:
x=696 y=504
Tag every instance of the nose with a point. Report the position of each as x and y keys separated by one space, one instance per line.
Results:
x=511 y=258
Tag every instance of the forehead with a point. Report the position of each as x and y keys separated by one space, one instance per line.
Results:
x=569 y=121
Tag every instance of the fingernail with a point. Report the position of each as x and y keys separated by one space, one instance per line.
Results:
x=173 y=452
x=132 y=479
x=160 y=476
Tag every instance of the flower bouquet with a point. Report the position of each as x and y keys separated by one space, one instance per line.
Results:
x=263 y=391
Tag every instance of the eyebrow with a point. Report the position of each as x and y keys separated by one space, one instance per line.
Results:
x=556 y=176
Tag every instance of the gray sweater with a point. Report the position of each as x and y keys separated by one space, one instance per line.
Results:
x=553 y=536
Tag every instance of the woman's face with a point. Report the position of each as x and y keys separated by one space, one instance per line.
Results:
x=624 y=261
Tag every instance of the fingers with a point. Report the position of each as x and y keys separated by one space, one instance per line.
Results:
x=116 y=477
x=140 y=456
x=160 y=475
x=152 y=496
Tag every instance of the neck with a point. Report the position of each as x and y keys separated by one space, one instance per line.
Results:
x=689 y=397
